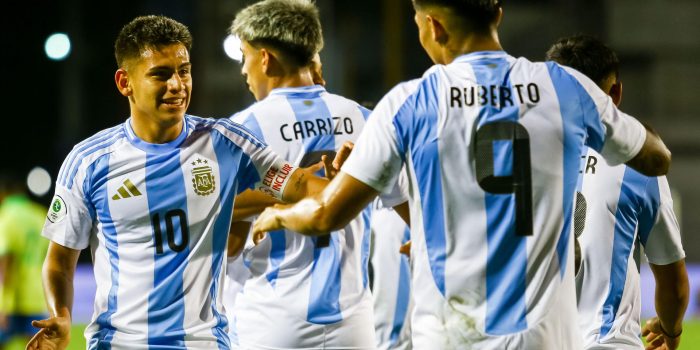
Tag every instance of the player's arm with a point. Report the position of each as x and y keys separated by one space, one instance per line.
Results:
x=671 y=300
x=654 y=158
x=333 y=208
x=57 y=273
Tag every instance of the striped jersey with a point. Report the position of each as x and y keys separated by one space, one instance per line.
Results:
x=492 y=146
x=156 y=217
x=391 y=281
x=317 y=279
x=618 y=209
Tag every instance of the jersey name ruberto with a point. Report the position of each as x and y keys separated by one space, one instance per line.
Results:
x=495 y=95
x=319 y=126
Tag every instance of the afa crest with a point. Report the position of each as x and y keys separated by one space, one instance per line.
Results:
x=203 y=180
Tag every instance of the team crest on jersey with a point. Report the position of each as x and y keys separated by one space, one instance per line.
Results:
x=58 y=209
x=203 y=180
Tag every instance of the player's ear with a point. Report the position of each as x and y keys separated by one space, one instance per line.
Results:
x=437 y=30
x=265 y=61
x=499 y=17
x=616 y=93
x=121 y=78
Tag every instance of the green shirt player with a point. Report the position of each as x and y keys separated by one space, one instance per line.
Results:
x=22 y=252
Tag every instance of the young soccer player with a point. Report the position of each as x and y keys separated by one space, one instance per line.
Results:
x=492 y=146
x=620 y=208
x=153 y=198
x=308 y=292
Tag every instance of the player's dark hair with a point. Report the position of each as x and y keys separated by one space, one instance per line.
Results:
x=149 y=32
x=476 y=15
x=291 y=26
x=587 y=55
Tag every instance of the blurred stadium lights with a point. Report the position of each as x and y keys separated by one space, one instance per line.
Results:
x=232 y=47
x=39 y=181
x=57 y=46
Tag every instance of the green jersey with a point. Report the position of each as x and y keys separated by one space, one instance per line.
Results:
x=21 y=222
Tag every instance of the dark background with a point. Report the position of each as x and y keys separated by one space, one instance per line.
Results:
x=370 y=46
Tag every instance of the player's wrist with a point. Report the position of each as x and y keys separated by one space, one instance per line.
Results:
x=671 y=335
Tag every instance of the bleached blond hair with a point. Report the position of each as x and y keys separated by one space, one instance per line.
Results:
x=290 y=26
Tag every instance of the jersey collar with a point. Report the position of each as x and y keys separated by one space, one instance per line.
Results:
x=301 y=90
x=480 y=55
x=155 y=147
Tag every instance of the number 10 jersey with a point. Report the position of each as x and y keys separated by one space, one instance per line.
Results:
x=492 y=146
x=156 y=217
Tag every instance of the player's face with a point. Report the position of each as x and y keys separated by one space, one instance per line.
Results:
x=160 y=83
x=252 y=70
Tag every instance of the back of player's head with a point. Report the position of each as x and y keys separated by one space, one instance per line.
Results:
x=475 y=15
x=10 y=183
x=587 y=55
x=149 y=32
x=292 y=27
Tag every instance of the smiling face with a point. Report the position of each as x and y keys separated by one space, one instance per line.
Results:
x=158 y=84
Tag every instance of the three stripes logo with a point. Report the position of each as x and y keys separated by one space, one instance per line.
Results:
x=126 y=190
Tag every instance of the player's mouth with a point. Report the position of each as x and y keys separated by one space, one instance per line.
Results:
x=175 y=102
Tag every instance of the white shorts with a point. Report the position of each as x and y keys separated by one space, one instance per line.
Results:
x=275 y=328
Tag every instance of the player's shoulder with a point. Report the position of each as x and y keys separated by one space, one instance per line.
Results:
x=230 y=129
x=90 y=150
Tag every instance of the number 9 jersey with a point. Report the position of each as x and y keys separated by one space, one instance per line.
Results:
x=156 y=217
x=492 y=146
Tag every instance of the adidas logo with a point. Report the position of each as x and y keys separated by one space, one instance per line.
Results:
x=126 y=190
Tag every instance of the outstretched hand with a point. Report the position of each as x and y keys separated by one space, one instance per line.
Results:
x=656 y=338
x=54 y=334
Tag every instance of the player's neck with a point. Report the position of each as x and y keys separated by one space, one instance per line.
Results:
x=471 y=43
x=154 y=131
x=298 y=78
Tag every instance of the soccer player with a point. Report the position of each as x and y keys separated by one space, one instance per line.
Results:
x=153 y=199
x=22 y=250
x=492 y=146
x=621 y=208
x=236 y=270
x=391 y=289
x=307 y=292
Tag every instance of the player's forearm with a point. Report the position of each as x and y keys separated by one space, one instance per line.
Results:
x=58 y=287
x=671 y=296
x=302 y=184
x=309 y=217
x=57 y=273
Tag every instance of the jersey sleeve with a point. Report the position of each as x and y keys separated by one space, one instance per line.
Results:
x=5 y=235
x=377 y=157
x=261 y=168
x=69 y=221
x=658 y=226
x=618 y=137
x=398 y=193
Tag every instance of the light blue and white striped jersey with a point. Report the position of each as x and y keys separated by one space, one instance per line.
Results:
x=391 y=281
x=492 y=146
x=619 y=209
x=317 y=279
x=156 y=217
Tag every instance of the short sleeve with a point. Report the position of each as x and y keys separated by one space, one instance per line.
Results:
x=618 y=137
x=398 y=193
x=260 y=168
x=377 y=157
x=68 y=221
x=5 y=235
x=658 y=227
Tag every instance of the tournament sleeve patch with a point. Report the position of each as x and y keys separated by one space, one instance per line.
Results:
x=58 y=209
x=276 y=179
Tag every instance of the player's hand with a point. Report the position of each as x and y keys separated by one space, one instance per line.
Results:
x=267 y=221
x=54 y=334
x=655 y=337
x=332 y=167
